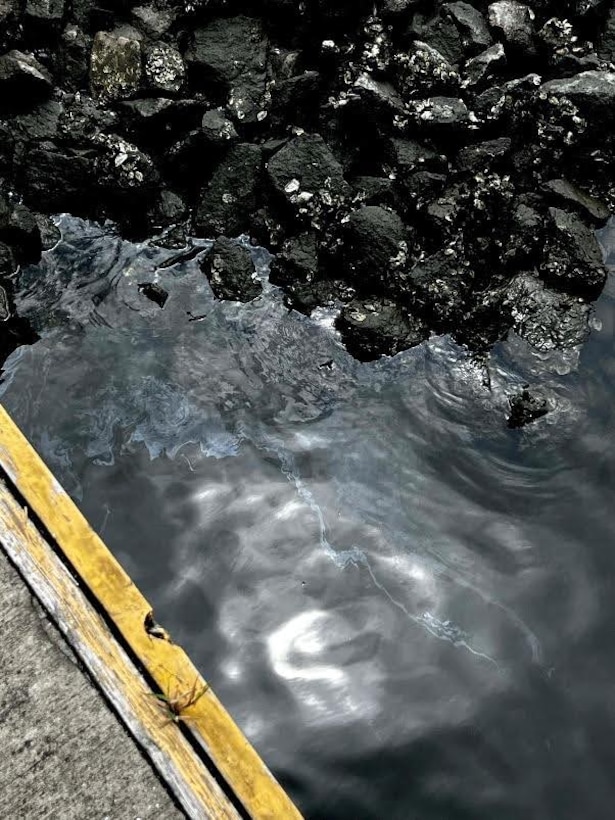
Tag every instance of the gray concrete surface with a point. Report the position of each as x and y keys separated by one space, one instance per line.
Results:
x=63 y=754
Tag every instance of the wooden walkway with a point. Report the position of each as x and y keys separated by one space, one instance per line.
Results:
x=168 y=707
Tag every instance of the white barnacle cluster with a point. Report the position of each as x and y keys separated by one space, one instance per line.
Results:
x=489 y=184
x=128 y=166
x=375 y=49
x=400 y=260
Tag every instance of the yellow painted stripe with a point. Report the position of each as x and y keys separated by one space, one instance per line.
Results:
x=167 y=663
x=170 y=751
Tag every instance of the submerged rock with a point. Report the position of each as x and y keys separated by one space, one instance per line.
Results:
x=525 y=408
x=230 y=270
x=154 y=293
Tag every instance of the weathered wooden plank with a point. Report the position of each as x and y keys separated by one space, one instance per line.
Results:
x=110 y=666
x=230 y=751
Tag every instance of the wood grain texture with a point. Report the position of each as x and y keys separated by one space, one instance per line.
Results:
x=118 y=597
x=109 y=665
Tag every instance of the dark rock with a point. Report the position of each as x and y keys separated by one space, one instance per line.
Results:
x=40 y=123
x=483 y=155
x=297 y=261
x=397 y=8
x=72 y=58
x=167 y=209
x=592 y=91
x=5 y=308
x=305 y=169
x=57 y=178
x=82 y=119
x=23 y=80
x=375 y=247
x=374 y=190
x=569 y=195
x=527 y=229
x=440 y=32
x=14 y=332
x=231 y=197
x=154 y=293
x=374 y=327
x=546 y=318
x=43 y=16
x=217 y=129
x=155 y=122
x=443 y=213
x=230 y=271
x=121 y=167
x=473 y=26
x=408 y=156
x=294 y=100
x=305 y=297
x=514 y=22
x=420 y=171
x=19 y=230
x=441 y=113
x=438 y=286
x=164 y=68
x=606 y=40
x=572 y=259
x=484 y=65
x=115 y=66
x=229 y=57
x=154 y=21
x=8 y=263
x=377 y=95
x=49 y=232
x=422 y=71
x=525 y=408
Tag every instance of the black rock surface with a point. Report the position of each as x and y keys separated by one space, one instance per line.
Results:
x=421 y=157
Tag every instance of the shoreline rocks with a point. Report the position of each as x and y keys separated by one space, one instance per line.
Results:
x=430 y=166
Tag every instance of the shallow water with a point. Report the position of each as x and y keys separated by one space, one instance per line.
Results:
x=407 y=607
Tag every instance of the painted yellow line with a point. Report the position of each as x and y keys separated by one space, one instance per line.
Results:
x=51 y=582
x=118 y=597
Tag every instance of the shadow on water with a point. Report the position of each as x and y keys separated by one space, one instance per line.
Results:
x=406 y=606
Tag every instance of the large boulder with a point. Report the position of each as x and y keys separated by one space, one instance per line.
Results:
x=593 y=92
x=375 y=246
x=514 y=23
x=572 y=259
x=305 y=168
x=229 y=200
x=229 y=57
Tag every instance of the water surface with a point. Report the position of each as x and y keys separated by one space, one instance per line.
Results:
x=407 y=607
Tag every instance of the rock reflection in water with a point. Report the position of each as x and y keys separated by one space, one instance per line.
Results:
x=404 y=604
